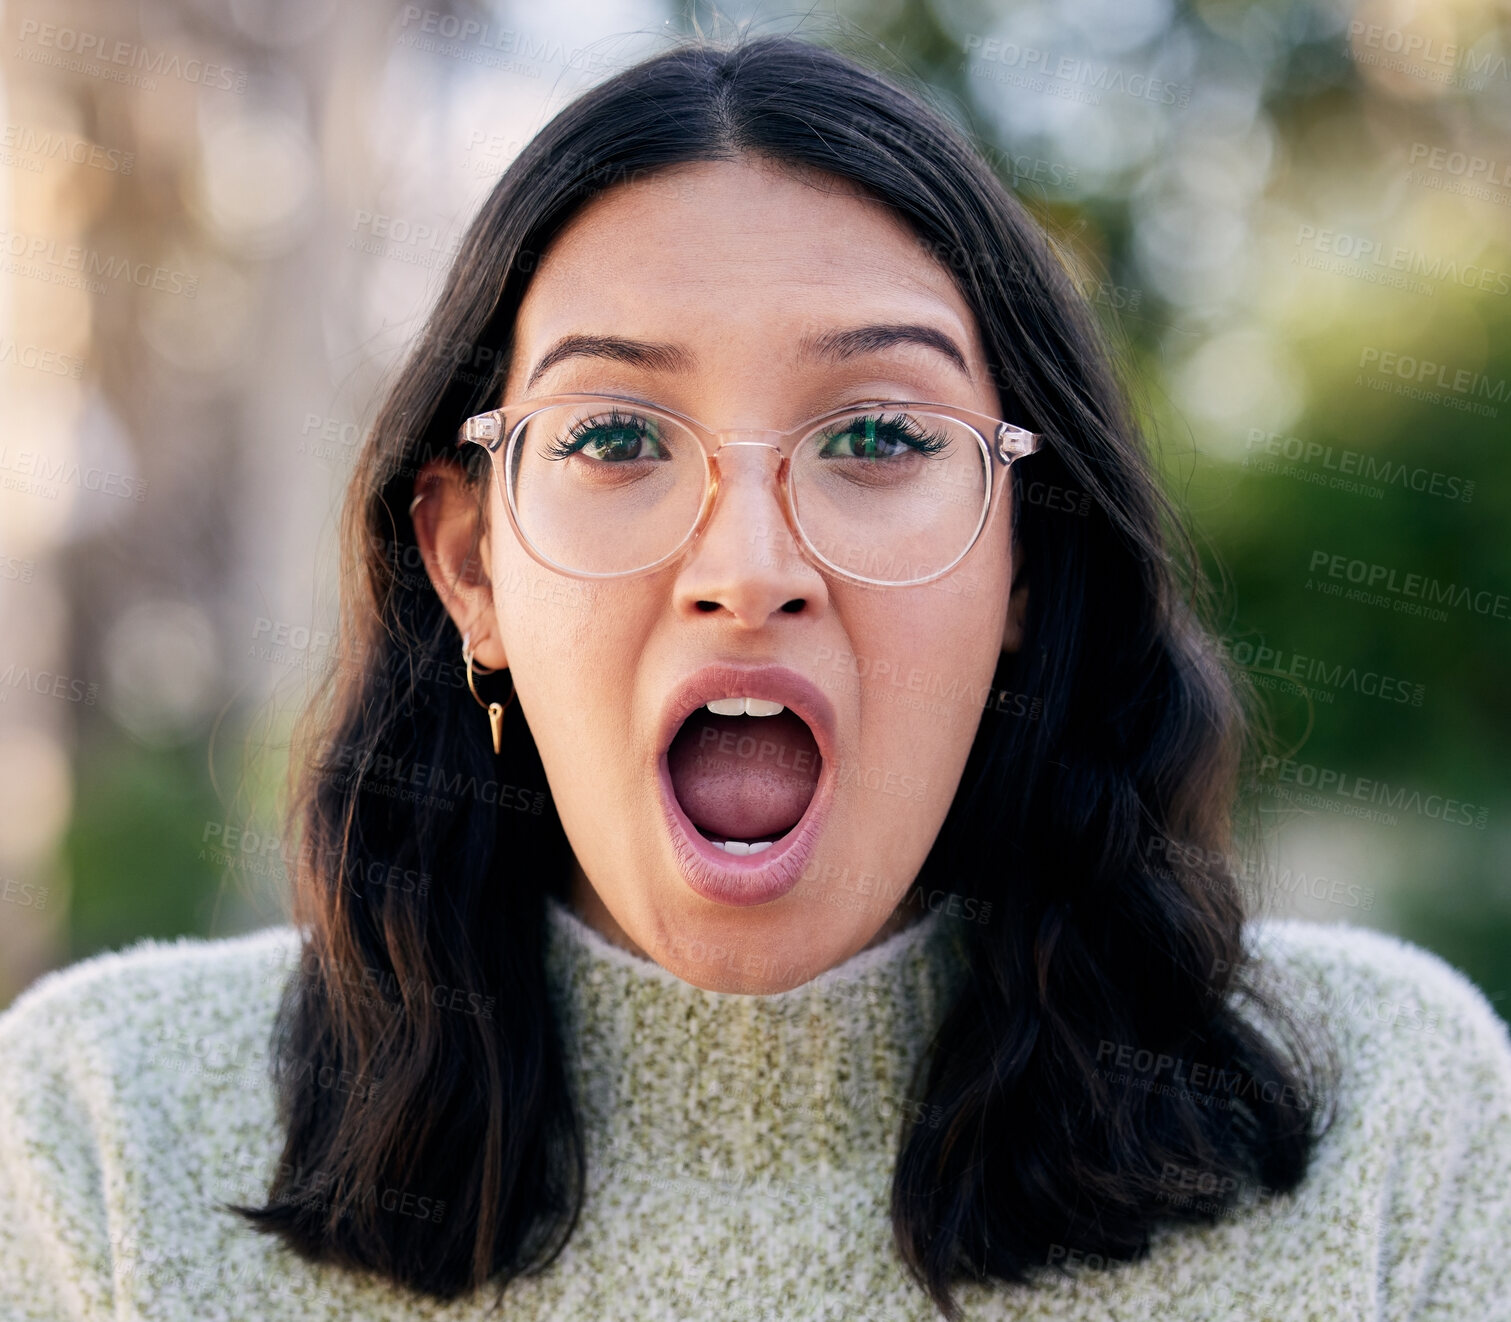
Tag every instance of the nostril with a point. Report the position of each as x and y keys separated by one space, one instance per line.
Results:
x=791 y=607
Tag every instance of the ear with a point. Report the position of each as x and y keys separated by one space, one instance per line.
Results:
x=1017 y=605
x=454 y=544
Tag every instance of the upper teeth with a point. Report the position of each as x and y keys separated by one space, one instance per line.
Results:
x=744 y=707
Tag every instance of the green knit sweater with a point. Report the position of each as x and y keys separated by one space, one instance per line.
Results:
x=740 y=1148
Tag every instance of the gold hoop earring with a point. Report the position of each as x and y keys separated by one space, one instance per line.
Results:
x=495 y=709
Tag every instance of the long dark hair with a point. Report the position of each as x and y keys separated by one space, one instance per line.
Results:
x=1095 y=813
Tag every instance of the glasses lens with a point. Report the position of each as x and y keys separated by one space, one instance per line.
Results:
x=605 y=488
x=891 y=495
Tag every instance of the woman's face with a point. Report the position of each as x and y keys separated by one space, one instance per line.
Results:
x=733 y=269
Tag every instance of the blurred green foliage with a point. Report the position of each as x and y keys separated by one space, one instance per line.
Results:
x=136 y=846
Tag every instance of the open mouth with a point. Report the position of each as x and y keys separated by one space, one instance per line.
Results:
x=746 y=781
x=744 y=772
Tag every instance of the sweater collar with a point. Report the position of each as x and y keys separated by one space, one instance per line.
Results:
x=670 y=1078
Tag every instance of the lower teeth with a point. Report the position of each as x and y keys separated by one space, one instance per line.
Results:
x=741 y=846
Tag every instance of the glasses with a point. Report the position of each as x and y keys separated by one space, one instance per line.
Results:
x=880 y=492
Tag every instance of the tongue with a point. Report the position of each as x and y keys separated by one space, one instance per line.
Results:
x=743 y=777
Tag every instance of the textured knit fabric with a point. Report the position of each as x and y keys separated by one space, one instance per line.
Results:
x=740 y=1148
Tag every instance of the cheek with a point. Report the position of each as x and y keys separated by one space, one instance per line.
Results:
x=546 y=619
x=920 y=669
x=574 y=648
x=558 y=668
x=941 y=641
x=920 y=678
x=926 y=684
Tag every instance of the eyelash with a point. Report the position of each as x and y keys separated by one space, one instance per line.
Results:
x=916 y=437
x=580 y=433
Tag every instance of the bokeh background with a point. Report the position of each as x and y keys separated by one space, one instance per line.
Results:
x=221 y=222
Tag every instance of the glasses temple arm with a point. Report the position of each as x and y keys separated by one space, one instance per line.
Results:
x=1012 y=442
x=485 y=429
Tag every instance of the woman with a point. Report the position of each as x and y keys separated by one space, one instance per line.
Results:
x=840 y=922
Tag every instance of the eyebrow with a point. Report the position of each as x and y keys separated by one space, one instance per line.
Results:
x=839 y=345
x=836 y=346
x=638 y=353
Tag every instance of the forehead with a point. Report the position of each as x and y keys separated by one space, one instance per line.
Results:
x=741 y=256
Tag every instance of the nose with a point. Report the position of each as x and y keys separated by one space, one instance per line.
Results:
x=745 y=561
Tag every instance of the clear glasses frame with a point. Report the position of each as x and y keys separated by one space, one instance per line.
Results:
x=499 y=431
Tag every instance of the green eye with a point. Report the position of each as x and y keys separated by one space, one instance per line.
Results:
x=880 y=437
x=619 y=438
